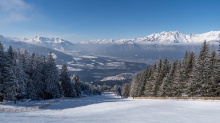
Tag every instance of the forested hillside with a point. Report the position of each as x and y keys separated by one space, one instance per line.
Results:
x=35 y=77
x=193 y=76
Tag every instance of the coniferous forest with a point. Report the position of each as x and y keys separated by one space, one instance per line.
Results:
x=193 y=76
x=25 y=76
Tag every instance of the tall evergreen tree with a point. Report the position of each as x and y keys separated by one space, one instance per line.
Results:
x=176 y=89
x=52 y=79
x=76 y=84
x=198 y=84
x=11 y=82
x=25 y=59
x=2 y=70
x=149 y=87
x=157 y=81
x=166 y=86
x=67 y=88
x=163 y=76
x=125 y=90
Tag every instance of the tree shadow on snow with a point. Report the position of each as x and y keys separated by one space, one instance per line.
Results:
x=78 y=102
x=21 y=104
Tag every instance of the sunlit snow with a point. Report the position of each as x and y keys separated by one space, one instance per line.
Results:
x=107 y=108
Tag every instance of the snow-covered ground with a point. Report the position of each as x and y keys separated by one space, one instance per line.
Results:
x=23 y=104
x=109 y=109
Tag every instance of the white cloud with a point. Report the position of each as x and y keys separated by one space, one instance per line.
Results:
x=15 y=10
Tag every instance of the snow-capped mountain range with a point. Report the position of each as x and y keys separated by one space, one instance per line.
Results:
x=166 y=38
x=53 y=43
x=159 y=38
x=43 y=40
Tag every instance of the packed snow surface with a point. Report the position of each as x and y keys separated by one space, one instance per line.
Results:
x=107 y=108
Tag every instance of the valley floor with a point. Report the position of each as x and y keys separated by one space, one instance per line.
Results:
x=107 y=108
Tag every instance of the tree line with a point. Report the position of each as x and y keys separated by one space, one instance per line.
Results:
x=192 y=76
x=34 y=77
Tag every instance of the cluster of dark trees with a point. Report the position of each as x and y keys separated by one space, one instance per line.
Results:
x=34 y=77
x=116 y=89
x=192 y=76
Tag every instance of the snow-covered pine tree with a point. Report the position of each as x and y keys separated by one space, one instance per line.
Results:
x=22 y=77
x=198 y=83
x=65 y=82
x=167 y=81
x=52 y=79
x=184 y=68
x=217 y=77
x=2 y=70
x=43 y=86
x=164 y=72
x=36 y=76
x=176 y=89
x=76 y=84
x=125 y=90
x=146 y=75
x=140 y=83
x=157 y=75
x=149 y=92
x=133 y=86
x=163 y=88
x=11 y=82
x=211 y=82
x=25 y=59
x=187 y=77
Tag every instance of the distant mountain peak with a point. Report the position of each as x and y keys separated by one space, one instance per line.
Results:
x=38 y=40
x=54 y=43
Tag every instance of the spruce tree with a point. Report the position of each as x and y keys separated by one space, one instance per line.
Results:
x=52 y=79
x=198 y=84
x=2 y=70
x=125 y=90
x=65 y=82
x=11 y=82
x=36 y=76
x=76 y=84
x=157 y=81
x=166 y=87
x=22 y=77
x=176 y=89
x=149 y=87
x=163 y=73
x=25 y=59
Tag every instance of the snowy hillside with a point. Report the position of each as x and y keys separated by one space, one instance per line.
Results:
x=107 y=108
x=166 y=38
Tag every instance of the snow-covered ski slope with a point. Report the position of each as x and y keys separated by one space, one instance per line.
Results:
x=107 y=108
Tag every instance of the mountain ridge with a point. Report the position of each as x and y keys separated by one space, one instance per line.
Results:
x=166 y=37
x=172 y=37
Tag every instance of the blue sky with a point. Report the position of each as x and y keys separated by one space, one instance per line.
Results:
x=84 y=20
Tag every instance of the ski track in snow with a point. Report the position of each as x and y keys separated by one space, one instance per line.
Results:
x=109 y=109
